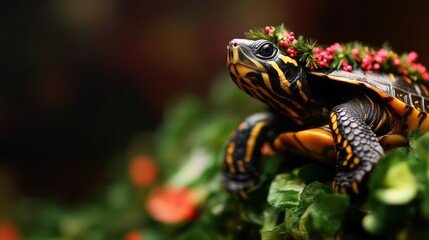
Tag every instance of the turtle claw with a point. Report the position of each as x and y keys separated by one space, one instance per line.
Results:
x=348 y=182
x=239 y=185
x=353 y=188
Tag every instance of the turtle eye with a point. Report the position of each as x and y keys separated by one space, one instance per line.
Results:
x=267 y=50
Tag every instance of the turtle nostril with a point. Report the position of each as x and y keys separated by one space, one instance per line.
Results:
x=233 y=44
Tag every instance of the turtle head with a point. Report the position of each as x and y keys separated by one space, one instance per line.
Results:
x=263 y=71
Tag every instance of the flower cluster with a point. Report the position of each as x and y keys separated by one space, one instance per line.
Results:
x=323 y=57
x=348 y=56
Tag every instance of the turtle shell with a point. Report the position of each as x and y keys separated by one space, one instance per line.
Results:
x=408 y=98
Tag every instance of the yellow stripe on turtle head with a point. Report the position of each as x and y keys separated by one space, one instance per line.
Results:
x=252 y=60
x=284 y=82
x=287 y=60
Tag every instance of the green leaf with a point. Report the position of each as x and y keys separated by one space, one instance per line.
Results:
x=400 y=185
x=319 y=212
x=271 y=215
x=377 y=177
x=392 y=181
x=305 y=51
x=275 y=233
x=419 y=144
x=284 y=191
x=326 y=213
x=372 y=224
x=257 y=33
x=279 y=33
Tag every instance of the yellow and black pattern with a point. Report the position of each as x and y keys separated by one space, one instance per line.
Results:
x=356 y=144
x=275 y=82
x=243 y=151
x=335 y=116
x=408 y=99
x=315 y=143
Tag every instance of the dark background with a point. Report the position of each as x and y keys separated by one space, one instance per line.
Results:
x=81 y=78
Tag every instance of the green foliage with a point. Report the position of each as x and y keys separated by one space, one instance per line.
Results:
x=279 y=33
x=188 y=148
x=294 y=199
x=319 y=213
x=399 y=192
x=305 y=51
x=285 y=191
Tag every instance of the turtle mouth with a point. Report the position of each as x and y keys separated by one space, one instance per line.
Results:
x=244 y=76
x=242 y=70
x=233 y=63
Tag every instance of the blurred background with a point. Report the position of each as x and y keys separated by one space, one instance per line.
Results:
x=82 y=78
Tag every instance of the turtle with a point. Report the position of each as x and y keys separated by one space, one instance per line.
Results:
x=333 y=116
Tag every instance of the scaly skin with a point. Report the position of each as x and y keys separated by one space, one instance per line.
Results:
x=357 y=147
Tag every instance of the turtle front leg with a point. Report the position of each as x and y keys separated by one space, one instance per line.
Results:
x=356 y=144
x=243 y=152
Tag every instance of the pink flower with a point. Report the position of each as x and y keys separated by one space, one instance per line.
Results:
x=376 y=66
x=267 y=29
x=382 y=53
x=355 y=54
x=317 y=50
x=420 y=68
x=347 y=68
x=322 y=58
x=378 y=59
x=366 y=62
x=396 y=62
x=412 y=57
x=336 y=46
